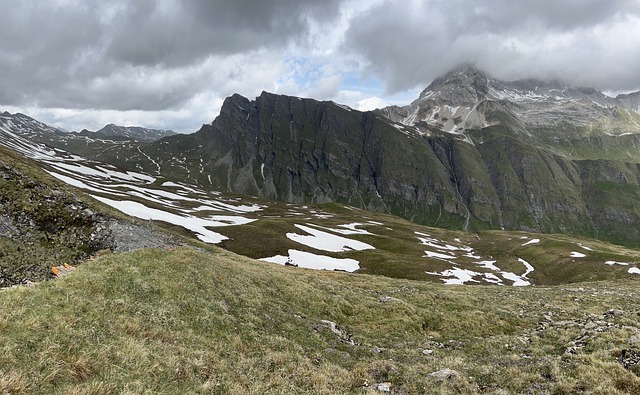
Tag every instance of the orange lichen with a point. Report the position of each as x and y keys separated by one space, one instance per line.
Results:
x=55 y=271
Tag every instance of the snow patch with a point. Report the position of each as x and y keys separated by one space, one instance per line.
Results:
x=437 y=255
x=197 y=225
x=488 y=265
x=517 y=280
x=459 y=276
x=313 y=261
x=527 y=265
x=326 y=241
x=611 y=263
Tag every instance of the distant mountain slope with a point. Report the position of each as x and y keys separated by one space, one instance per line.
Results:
x=41 y=132
x=631 y=100
x=143 y=135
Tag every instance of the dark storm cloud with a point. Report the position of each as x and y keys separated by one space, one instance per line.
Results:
x=36 y=48
x=582 y=41
x=140 y=54
x=150 y=34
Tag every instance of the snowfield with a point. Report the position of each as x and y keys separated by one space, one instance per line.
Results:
x=325 y=241
x=313 y=261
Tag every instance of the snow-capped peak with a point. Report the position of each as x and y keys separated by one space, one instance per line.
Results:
x=467 y=98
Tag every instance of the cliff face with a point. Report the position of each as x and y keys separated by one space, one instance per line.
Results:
x=301 y=150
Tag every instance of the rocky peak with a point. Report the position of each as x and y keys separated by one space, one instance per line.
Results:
x=467 y=98
x=464 y=85
x=236 y=105
x=631 y=101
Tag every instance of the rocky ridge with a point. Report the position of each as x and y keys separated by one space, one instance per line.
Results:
x=137 y=133
x=467 y=98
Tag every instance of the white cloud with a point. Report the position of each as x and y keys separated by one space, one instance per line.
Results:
x=371 y=103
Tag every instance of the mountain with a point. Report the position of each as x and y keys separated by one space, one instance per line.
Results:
x=27 y=126
x=470 y=153
x=42 y=132
x=136 y=133
x=513 y=173
x=467 y=98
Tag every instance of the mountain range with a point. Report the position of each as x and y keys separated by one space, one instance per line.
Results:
x=39 y=131
x=472 y=153
x=136 y=133
x=58 y=224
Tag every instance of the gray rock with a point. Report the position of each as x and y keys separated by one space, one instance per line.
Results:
x=383 y=387
x=125 y=236
x=342 y=335
x=445 y=373
x=629 y=358
x=571 y=350
x=385 y=299
x=613 y=313
x=7 y=226
x=591 y=325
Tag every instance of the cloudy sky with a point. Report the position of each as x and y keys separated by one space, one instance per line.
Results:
x=170 y=63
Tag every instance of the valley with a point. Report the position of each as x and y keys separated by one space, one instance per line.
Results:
x=334 y=237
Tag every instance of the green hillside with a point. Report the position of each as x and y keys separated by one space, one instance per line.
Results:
x=205 y=321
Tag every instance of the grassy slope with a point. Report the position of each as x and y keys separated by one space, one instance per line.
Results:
x=189 y=321
x=399 y=254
